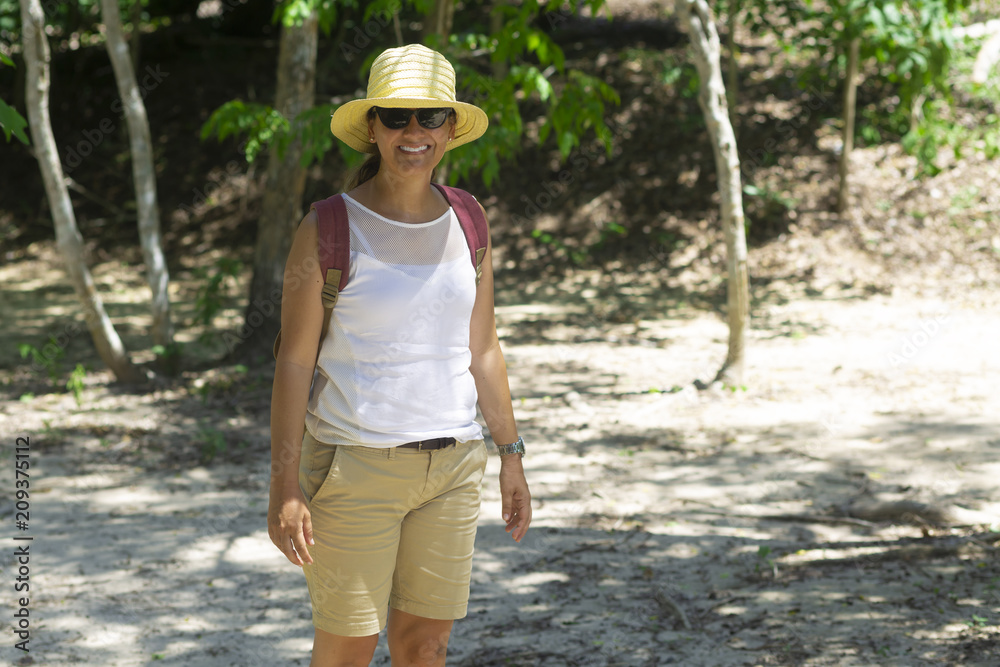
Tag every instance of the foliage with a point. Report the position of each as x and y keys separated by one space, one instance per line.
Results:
x=976 y=126
x=221 y=382
x=65 y=17
x=213 y=443
x=75 y=383
x=579 y=255
x=908 y=42
x=49 y=360
x=10 y=120
x=263 y=126
x=260 y=124
x=574 y=105
x=294 y=12
x=46 y=359
x=535 y=72
x=12 y=123
x=212 y=294
x=168 y=357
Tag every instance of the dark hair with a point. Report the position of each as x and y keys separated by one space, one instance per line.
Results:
x=368 y=168
x=365 y=172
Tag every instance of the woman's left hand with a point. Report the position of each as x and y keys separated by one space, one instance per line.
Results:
x=516 y=499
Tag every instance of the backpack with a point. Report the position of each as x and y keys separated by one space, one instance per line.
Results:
x=335 y=244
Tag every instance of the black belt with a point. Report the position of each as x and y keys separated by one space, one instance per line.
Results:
x=434 y=443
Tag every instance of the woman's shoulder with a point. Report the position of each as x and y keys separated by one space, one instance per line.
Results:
x=310 y=222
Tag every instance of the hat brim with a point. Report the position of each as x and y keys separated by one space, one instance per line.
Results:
x=350 y=120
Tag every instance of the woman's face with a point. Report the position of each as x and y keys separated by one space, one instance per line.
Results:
x=413 y=150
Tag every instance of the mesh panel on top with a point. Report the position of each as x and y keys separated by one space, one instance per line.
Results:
x=405 y=243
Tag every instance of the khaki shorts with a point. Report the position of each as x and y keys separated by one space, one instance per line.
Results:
x=393 y=527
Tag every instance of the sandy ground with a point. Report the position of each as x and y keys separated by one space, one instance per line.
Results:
x=650 y=544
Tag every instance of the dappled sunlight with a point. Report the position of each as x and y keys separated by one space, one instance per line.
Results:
x=530 y=583
x=252 y=549
x=837 y=504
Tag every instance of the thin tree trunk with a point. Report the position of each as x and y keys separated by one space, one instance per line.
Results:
x=850 y=102
x=700 y=22
x=500 y=67
x=143 y=173
x=36 y=57
x=437 y=28
x=439 y=21
x=281 y=206
x=397 y=28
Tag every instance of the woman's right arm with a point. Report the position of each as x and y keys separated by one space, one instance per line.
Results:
x=288 y=521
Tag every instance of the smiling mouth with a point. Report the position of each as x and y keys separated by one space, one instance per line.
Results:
x=414 y=149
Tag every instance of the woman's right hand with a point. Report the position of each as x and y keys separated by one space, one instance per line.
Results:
x=289 y=524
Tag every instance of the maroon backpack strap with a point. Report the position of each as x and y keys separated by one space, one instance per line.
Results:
x=470 y=216
x=334 y=246
x=334 y=240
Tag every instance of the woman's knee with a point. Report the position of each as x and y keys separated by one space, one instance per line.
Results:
x=416 y=641
x=330 y=650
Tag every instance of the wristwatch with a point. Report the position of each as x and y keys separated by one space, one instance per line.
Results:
x=512 y=448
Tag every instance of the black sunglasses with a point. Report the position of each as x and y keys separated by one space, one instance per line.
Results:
x=397 y=119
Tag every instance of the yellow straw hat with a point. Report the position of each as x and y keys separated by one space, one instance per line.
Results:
x=409 y=77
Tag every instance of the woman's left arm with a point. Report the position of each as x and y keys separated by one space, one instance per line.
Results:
x=490 y=373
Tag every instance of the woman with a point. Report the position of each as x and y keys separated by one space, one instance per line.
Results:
x=376 y=456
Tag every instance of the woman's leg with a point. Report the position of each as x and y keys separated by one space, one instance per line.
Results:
x=415 y=641
x=330 y=650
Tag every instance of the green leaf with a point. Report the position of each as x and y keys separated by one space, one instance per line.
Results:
x=567 y=141
x=13 y=123
x=6 y=60
x=259 y=124
x=543 y=86
x=543 y=132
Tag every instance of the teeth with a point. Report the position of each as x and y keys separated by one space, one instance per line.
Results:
x=408 y=149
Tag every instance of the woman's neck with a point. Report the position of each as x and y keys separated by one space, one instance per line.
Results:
x=403 y=199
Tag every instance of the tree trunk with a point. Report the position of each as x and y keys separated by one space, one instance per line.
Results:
x=698 y=18
x=143 y=172
x=850 y=102
x=439 y=21
x=281 y=206
x=36 y=57
x=397 y=27
x=437 y=28
x=500 y=67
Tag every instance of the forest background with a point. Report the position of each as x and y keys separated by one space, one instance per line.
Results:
x=865 y=412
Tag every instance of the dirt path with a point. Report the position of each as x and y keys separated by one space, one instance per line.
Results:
x=649 y=545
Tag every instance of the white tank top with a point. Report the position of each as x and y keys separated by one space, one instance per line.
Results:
x=394 y=366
